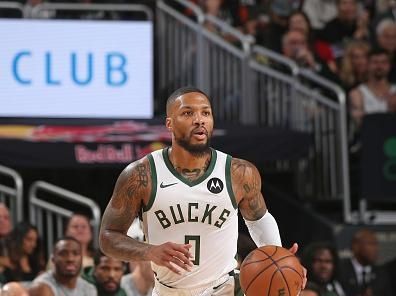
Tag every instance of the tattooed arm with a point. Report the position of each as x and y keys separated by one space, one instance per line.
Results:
x=246 y=183
x=131 y=193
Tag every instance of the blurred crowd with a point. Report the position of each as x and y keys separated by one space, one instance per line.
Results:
x=349 y=42
x=75 y=267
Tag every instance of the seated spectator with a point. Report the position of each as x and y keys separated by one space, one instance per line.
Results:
x=270 y=36
x=321 y=261
x=377 y=94
x=79 y=227
x=13 y=289
x=5 y=229
x=386 y=39
x=64 y=278
x=25 y=254
x=353 y=68
x=299 y=21
x=295 y=47
x=359 y=275
x=140 y=281
x=106 y=275
x=218 y=9
x=349 y=24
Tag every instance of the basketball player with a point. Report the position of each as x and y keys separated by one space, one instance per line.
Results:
x=188 y=196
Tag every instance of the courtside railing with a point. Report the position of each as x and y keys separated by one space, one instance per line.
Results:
x=12 y=195
x=51 y=205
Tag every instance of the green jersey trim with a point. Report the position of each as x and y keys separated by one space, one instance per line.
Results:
x=229 y=181
x=153 y=173
x=180 y=177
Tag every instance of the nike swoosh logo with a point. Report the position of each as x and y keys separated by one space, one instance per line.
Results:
x=162 y=185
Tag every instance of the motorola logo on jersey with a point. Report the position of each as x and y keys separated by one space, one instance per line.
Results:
x=215 y=185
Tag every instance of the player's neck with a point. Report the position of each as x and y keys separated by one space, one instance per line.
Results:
x=189 y=166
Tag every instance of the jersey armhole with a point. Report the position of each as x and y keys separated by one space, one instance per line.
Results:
x=229 y=182
x=153 y=173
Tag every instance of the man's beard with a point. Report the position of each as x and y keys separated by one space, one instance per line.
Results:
x=379 y=75
x=197 y=150
x=102 y=290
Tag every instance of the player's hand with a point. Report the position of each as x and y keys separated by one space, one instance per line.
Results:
x=172 y=255
x=294 y=250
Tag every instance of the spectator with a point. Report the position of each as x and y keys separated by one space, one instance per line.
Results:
x=140 y=281
x=5 y=221
x=321 y=261
x=299 y=21
x=359 y=275
x=377 y=94
x=79 y=227
x=349 y=24
x=383 y=6
x=295 y=47
x=13 y=289
x=271 y=35
x=353 y=69
x=385 y=10
x=320 y=12
x=386 y=39
x=106 y=275
x=64 y=279
x=25 y=254
x=5 y=229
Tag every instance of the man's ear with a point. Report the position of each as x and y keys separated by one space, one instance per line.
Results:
x=168 y=123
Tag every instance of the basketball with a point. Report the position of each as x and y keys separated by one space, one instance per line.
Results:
x=271 y=270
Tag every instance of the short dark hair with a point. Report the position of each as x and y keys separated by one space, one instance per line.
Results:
x=378 y=51
x=66 y=238
x=181 y=91
x=97 y=255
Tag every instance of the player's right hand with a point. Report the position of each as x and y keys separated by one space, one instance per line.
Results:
x=172 y=255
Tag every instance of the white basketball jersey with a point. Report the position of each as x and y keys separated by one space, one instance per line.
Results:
x=202 y=213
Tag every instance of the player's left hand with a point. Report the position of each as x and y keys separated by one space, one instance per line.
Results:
x=294 y=250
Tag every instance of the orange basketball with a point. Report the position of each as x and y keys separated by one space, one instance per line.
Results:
x=270 y=271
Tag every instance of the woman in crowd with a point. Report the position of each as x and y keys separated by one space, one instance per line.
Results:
x=299 y=21
x=353 y=69
x=321 y=261
x=79 y=227
x=26 y=259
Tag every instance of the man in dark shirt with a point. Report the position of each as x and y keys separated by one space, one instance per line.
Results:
x=106 y=275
